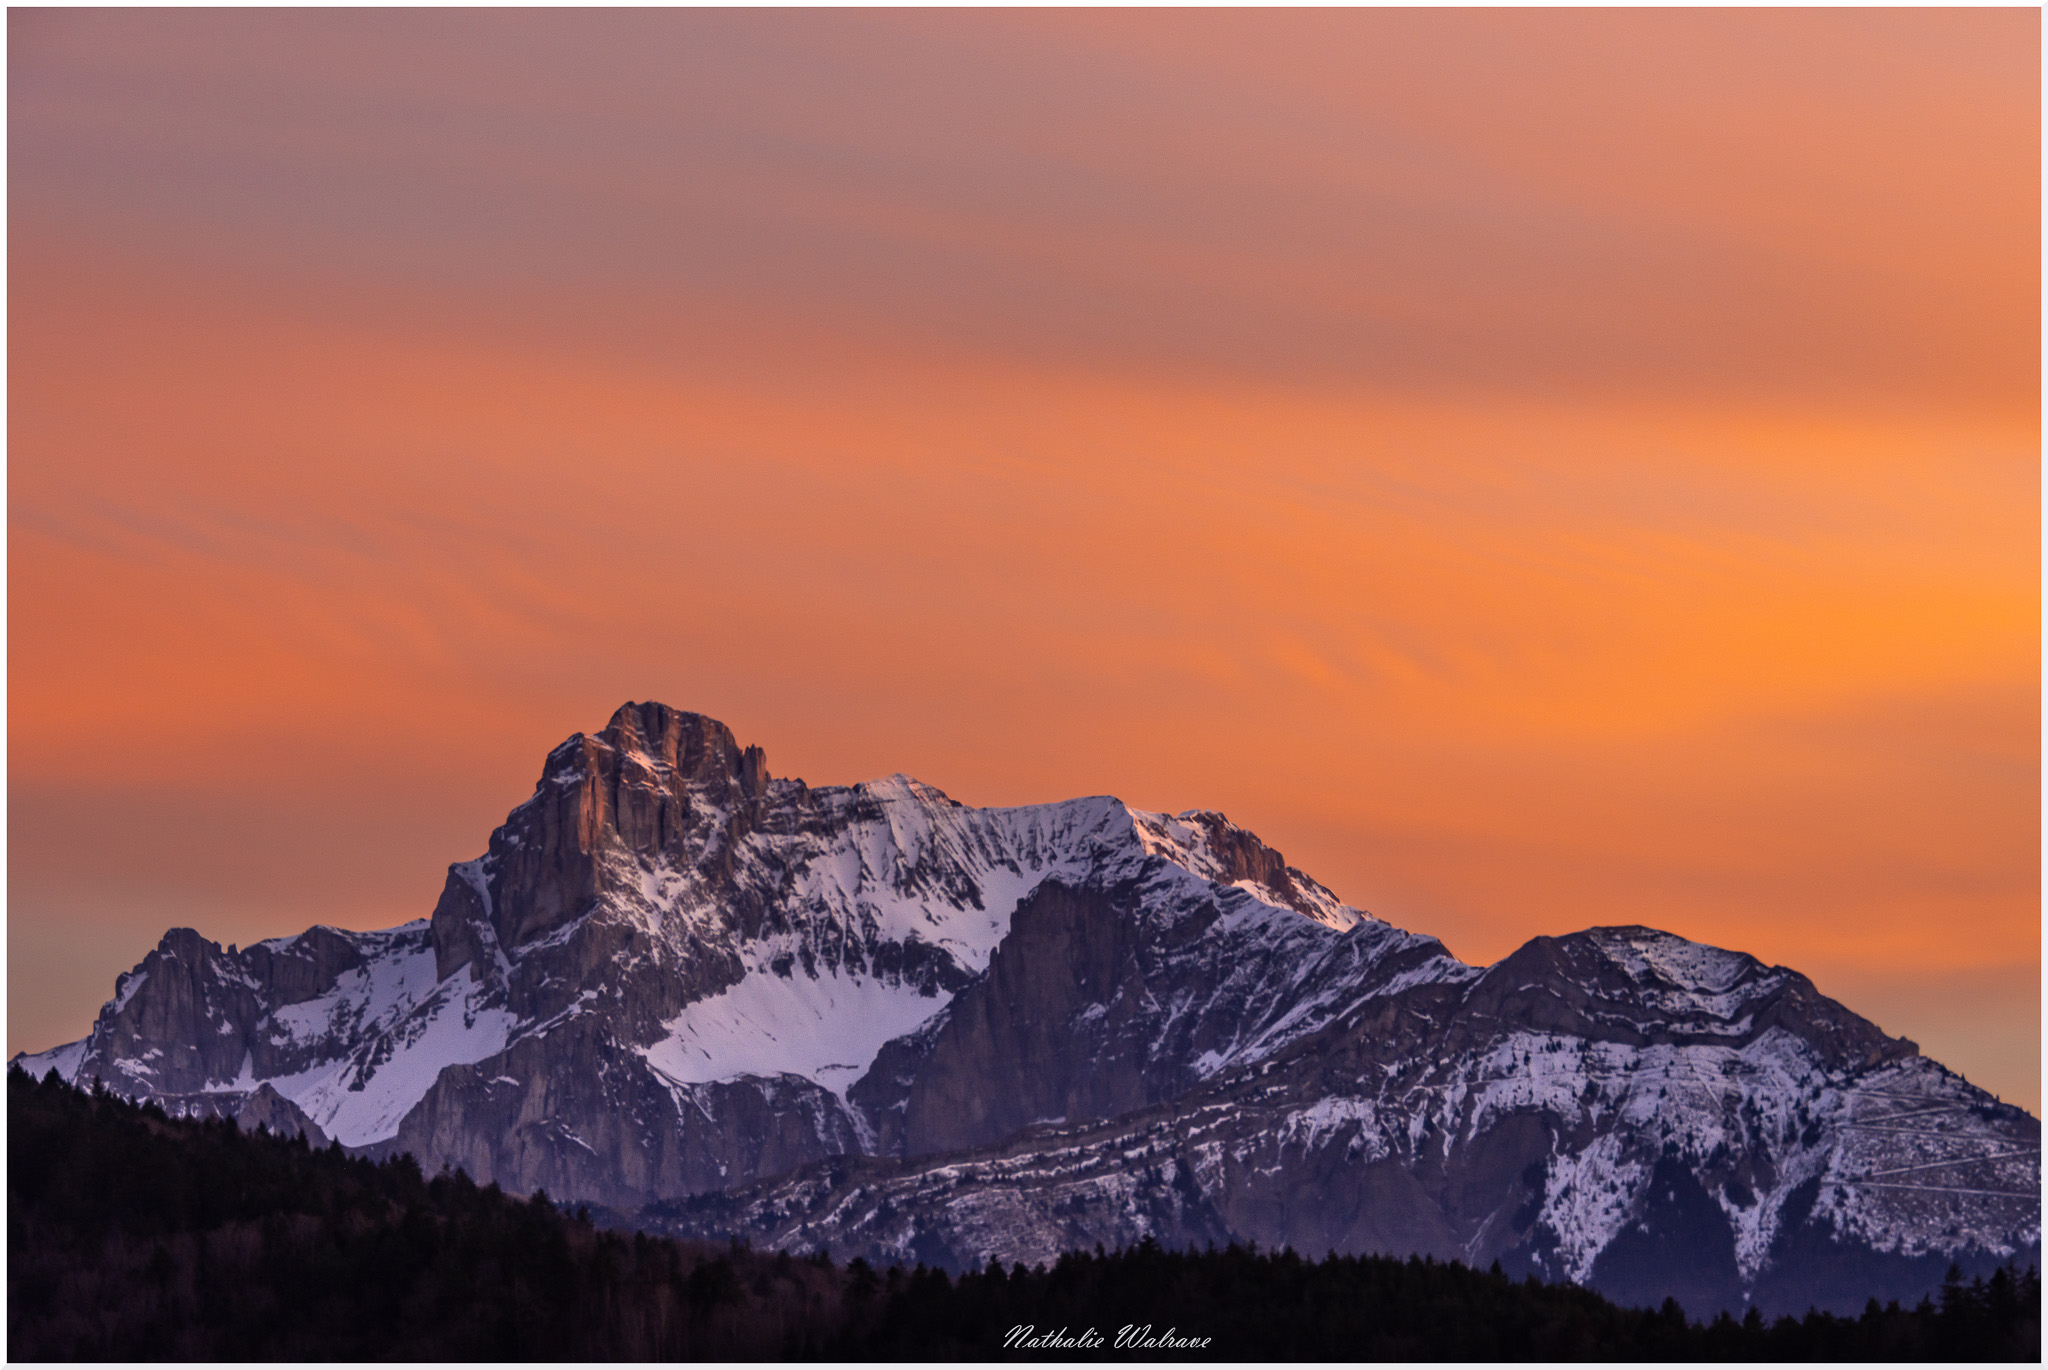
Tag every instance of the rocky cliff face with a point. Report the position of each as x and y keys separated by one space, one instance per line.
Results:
x=875 y=1019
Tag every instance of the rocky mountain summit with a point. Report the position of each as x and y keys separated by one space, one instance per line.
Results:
x=874 y=1019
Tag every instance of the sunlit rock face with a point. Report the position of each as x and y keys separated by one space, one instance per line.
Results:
x=874 y=1019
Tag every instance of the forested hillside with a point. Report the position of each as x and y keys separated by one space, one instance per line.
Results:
x=132 y=1235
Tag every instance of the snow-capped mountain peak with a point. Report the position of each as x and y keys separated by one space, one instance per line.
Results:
x=672 y=975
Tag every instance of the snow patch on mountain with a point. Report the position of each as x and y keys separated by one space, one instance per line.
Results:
x=1184 y=840
x=826 y=1028
x=363 y=1097
x=1680 y=976
x=1589 y=1196
x=127 y=985
x=374 y=994
x=1306 y=1127
x=952 y=875
x=63 y=1059
x=1917 y=1163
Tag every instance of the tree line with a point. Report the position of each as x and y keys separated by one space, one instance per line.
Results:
x=136 y=1236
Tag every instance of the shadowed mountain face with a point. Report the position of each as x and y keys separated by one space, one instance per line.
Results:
x=873 y=1019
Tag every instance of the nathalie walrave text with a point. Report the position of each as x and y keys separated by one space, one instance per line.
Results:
x=1028 y=1338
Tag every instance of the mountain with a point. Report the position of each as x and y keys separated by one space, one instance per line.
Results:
x=875 y=1019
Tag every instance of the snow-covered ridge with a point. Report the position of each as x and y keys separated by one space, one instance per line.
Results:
x=907 y=864
x=371 y=1044
x=849 y=872
x=1187 y=840
x=1675 y=975
x=63 y=1059
x=672 y=973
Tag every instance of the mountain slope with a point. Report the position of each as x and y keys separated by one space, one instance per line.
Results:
x=1749 y=1141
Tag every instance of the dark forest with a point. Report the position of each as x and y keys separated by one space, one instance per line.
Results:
x=132 y=1235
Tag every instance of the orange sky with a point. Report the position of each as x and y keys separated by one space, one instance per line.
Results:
x=1537 y=469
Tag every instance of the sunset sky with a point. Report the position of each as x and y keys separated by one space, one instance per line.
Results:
x=1536 y=469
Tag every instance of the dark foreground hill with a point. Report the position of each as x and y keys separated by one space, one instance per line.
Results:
x=132 y=1235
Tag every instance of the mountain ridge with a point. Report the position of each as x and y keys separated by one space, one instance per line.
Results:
x=673 y=978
